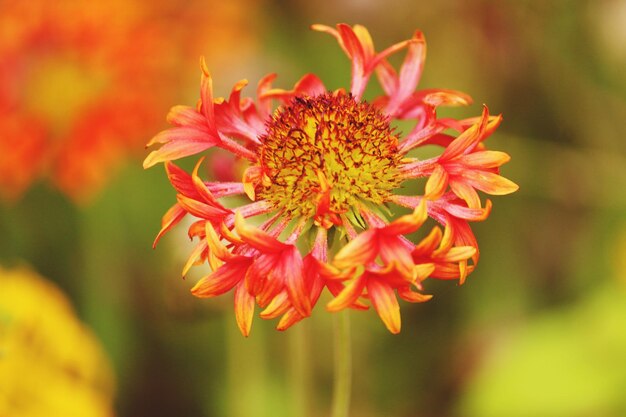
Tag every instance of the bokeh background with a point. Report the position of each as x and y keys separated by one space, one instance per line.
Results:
x=105 y=326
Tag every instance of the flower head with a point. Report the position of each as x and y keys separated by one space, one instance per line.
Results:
x=325 y=170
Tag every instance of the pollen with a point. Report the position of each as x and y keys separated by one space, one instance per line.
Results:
x=326 y=155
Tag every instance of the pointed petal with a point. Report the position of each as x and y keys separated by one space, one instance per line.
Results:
x=257 y=238
x=490 y=183
x=408 y=223
x=385 y=303
x=466 y=193
x=196 y=257
x=289 y=319
x=349 y=295
x=170 y=219
x=186 y=116
x=202 y=210
x=437 y=183
x=412 y=296
x=222 y=280
x=278 y=306
x=428 y=244
x=293 y=271
x=485 y=159
x=359 y=251
x=178 y=143
x=244 y=309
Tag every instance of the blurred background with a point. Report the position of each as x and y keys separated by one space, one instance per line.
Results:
x=105 y=326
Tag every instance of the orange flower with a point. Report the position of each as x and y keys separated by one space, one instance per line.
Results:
x=323 y=166
x=80 y=83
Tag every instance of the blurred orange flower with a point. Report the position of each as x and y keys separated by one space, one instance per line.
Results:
x=81 y=82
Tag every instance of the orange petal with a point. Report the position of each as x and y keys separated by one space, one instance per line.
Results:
x=459 y=253
x=359 y=251
x=200 y=209
x=429 y=243
x=179 y=142
x=384 y=301
x=412 y=296
x=244 y=309
x=215 y=245
x=196 y=256
x=256 y=237
x=186 y=116
x=169 y=220
x=408 y=223
x=490 y=183
x=289 y=319
x=466 y=193
x=485 y=159
x=466 y=139
x=279 y=305
x=437 y=183
x=348 y=296
x=222 y=280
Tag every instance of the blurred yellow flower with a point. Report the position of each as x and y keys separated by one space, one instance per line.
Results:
x=50 y=363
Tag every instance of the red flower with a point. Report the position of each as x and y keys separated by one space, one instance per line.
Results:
x=323 y=166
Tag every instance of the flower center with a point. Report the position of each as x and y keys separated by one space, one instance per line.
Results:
x=326 y=155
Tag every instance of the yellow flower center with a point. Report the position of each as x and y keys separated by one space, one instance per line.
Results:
x=328 y=151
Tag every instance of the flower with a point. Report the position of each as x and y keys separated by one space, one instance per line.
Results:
x=50 y=363
x=77 y=97
x=324 y=168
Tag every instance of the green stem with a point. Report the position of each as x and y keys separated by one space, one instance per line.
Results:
x=343 y=365
x=300 y=370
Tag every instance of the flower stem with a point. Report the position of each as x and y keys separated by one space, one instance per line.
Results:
x=342 y=365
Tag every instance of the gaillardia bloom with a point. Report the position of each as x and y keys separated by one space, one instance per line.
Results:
x=326 y=169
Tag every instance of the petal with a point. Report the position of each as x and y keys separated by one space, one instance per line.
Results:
x=196 y=257
x=359 y=251
x=466 y=193
x=393 y=251
x=348 y=296
x=408 y=223
x=485 y=159
x=458 y=253
x=215 y=245
x=244 y=309
x=223 y=279
x=437 y=183
x=385 y=303
x=186 y=116
x=412 y=296
x=428 y=244
x=202 y=210
x=181 y=180
x=278 y=306
x=490 y=183
x=422 y=271
x=169 y=220
x=178 y=143
x=293 y=272
x=289 y=319
x=206 y=94
x=466 y=140
x=257 y=238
